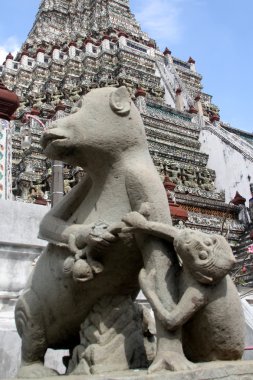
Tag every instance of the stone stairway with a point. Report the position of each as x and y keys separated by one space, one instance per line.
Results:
x=173 y=81
x=243 y=272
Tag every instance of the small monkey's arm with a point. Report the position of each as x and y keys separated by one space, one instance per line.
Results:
x=145 y=187
x=136 y=222
x=192 y=300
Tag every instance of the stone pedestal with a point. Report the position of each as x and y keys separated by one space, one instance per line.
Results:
x=10 y=341
x=241 y=370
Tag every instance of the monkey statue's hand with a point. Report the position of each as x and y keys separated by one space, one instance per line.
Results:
x=102 y=236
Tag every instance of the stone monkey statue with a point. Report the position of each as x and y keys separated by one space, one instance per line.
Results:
x=209 y=309
x=106 y=138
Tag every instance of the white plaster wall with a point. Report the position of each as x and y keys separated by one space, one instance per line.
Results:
x=19 y=246
x=19 y=222
x=232 y=169
x=16 y=264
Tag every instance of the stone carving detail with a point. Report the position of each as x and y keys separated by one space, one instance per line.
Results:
x=189 y=177
x=214 y=222
x=206 y=180
x=24 y=186
x=174 y=172
x=169 y=126
x=202 y=193
x=166 y=116
x=175 y=153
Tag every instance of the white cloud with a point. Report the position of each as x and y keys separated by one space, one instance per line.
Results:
x=160 y=18
x=10 y=45
x=163 y=19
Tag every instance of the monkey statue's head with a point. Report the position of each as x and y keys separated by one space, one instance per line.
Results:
x=209 y=258
x=105 y=125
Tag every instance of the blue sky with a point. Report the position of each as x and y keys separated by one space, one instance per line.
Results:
x=218 y=34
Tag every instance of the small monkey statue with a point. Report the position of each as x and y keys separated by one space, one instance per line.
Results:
x=209 y=308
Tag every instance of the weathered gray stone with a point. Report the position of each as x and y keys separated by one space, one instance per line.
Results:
x=93 y=259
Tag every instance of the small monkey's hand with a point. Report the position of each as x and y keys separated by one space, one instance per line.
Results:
x=134 y=222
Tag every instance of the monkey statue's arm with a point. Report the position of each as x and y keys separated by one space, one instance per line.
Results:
x=55 y=227
x=192 y=300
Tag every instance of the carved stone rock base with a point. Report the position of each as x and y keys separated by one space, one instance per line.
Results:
x=111 y=339
x=241 y=370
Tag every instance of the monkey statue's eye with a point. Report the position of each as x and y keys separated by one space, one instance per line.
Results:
x=214 y=240
x=203 y=255
x=208 y=243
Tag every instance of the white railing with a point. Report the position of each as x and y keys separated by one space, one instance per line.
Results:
x=173 y=81
x=167 y=77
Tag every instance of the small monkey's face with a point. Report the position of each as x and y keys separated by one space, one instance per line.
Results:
x=209 y=258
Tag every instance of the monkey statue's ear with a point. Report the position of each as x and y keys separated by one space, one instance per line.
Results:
x=120 y=101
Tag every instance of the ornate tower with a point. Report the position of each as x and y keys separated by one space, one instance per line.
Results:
x=77 y=45
x=63 y=20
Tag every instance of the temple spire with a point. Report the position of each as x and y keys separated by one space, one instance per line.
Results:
x=64 y=20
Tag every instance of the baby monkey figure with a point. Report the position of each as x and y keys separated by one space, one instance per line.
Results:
x=209 y=308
